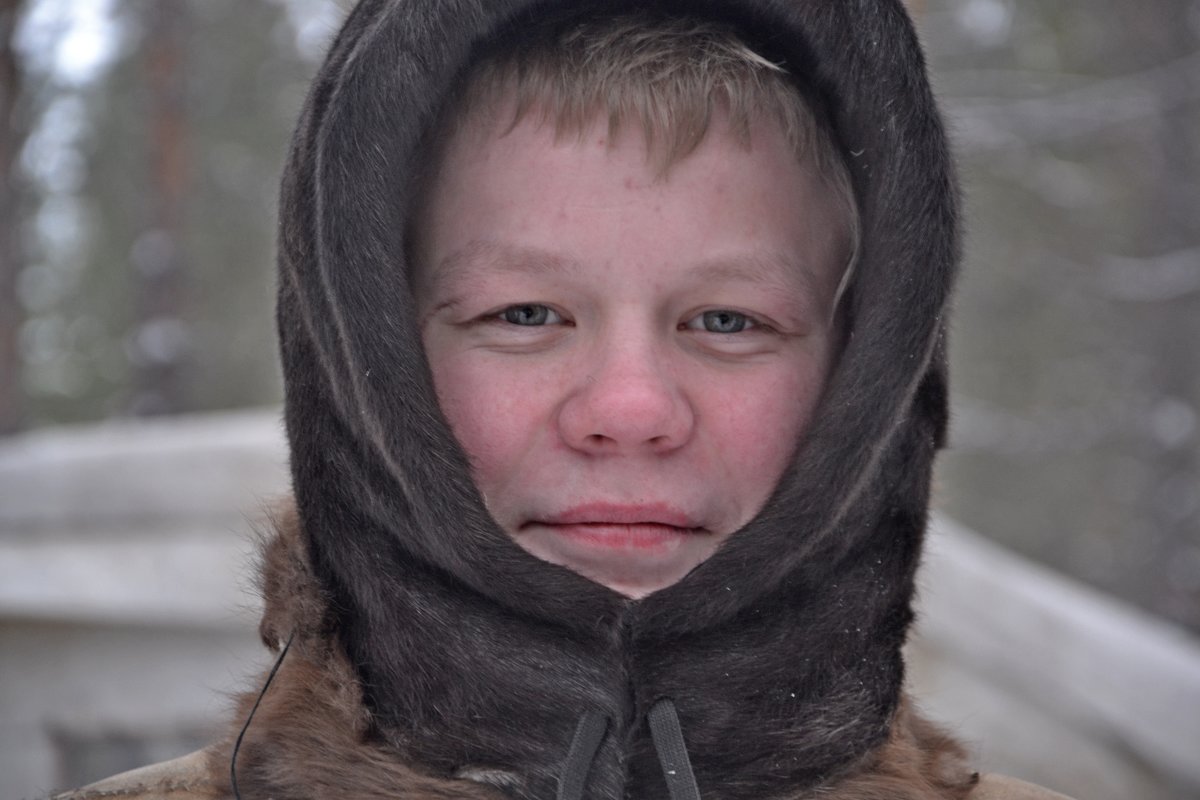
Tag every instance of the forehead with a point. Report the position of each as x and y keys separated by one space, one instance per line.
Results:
x=527 y=202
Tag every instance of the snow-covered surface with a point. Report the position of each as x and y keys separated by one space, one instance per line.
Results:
x=196 y=578
x=1097 y=664
x=135 y=474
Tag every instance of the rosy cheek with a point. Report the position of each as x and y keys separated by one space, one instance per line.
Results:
x=459 y=397
x=490 y=411
x=762 y=427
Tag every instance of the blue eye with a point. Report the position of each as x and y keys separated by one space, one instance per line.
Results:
x=530 y=314
x=721 y=320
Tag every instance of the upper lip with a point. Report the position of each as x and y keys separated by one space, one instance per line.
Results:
x=601 y=513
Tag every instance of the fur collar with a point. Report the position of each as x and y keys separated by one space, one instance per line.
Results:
x=312 y=736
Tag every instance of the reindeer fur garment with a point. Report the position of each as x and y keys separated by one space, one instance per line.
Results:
x=782 y=652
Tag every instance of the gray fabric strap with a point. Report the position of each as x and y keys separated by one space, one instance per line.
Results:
x=672 y=753
x=589 y=733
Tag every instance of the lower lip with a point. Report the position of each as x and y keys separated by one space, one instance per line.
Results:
x=645 y=537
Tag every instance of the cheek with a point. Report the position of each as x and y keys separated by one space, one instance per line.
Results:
x=757 y=427
x=490 y=415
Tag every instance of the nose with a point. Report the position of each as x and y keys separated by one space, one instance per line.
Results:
x=626 y=401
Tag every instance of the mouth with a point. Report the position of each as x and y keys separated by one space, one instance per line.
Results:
x=641 y=528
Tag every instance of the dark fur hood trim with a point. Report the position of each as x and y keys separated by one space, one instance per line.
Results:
x=312 y=737
x=782 y=651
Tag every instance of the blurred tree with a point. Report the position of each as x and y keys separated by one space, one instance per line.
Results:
x=159 y=340
x=1167 y=234
x=1077 y=394
x=150 y=284
x=12 y=136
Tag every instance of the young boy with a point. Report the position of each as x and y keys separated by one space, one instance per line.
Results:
x=613 y=347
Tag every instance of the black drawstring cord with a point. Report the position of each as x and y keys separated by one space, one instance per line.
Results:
x=589 y=733
x=238 y=744
x=672 y=752
x=667 y=735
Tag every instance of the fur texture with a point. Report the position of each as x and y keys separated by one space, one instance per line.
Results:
x=782 y=651
x=312 y=737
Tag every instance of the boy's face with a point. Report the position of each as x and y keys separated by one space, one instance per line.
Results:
x=628 y=359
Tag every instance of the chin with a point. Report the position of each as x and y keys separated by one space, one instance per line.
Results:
x=634 y=590
x=634 y=578
x=626 y=562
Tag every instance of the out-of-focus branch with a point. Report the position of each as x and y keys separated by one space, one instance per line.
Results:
x=1169 y=276
x=982 y=427
x=985 y=125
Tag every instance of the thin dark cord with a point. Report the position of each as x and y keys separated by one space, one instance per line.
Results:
x=589 y=733
x=672 y=752
x=238 y=744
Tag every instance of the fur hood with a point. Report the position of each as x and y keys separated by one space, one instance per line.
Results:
x=781 y=654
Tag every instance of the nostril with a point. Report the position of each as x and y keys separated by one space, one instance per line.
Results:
x=598 y=440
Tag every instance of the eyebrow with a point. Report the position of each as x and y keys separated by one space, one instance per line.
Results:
x=773 y=271
x=506 y=258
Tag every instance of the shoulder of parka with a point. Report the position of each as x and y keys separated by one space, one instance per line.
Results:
x=1002 y=787
x=188 y=777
